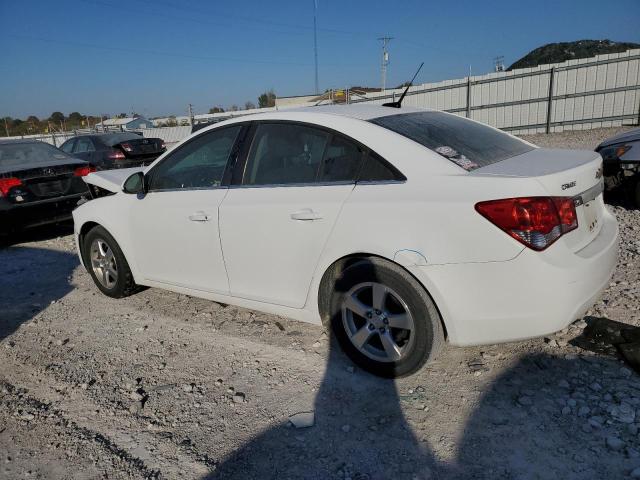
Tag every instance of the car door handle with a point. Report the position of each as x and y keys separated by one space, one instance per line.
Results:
x=199 y=217
x=305 y=214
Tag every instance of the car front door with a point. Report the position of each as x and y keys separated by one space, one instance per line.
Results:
x=275 y=222
x=174 y=227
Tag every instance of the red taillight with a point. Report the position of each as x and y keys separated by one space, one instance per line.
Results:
x=537 y=222
x=116 y=155
x=126 y=146
x=84 y=171
x=7 y=184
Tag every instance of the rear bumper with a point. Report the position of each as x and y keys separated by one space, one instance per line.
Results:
x=534 y=294
x=17 y=217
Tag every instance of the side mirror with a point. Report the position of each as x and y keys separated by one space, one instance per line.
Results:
x=134 y=184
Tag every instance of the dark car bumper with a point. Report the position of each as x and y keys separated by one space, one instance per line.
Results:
x=18 y=217
x=131 y=162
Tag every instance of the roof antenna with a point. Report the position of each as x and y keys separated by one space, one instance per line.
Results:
x=398 y=104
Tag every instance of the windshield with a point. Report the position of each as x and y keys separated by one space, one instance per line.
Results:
x=468 y=144
x=30 y=154
x=113 y=138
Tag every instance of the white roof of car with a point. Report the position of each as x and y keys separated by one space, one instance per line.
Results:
x=359 y=111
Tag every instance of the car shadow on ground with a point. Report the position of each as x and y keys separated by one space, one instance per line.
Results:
x=22 y=296
x=546 y=417
x=35 y=234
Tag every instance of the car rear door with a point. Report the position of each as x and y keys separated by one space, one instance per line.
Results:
x=174 y=227
x=275 y=222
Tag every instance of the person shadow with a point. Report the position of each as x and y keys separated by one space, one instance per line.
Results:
x=31 y=278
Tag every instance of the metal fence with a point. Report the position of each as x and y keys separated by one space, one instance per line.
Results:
x=601 y=91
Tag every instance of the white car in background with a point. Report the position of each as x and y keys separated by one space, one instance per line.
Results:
x=397 y=227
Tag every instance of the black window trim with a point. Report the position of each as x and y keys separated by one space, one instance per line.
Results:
x=241 y=162
x=231 y=161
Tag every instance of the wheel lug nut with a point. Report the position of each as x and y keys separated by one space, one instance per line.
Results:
x=378 y=312
x=385 y=321
x=369 y=315
x=371 y=326
x=382 y=329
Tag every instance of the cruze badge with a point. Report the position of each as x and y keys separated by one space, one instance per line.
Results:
x=568 y=185
x=48 y=171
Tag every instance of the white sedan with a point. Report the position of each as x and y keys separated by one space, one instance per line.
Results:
x=398 y=228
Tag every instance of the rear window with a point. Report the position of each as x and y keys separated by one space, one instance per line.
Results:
x=468 y=144
x=29 y=154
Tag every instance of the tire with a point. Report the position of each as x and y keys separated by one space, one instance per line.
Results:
x=106 y=264
x=417 y=335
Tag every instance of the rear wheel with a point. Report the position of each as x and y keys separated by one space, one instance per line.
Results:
x=106 y=264
x=384 y=320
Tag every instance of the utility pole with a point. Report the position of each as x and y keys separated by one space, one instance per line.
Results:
x=499 y=63
x=385 y=60
x=315 y=42
x=190 y=114
x=6 y=127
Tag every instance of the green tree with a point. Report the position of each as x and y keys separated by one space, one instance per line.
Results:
x=57 y=117
x=75 y=117
x=267 y=99
x=249 y=106
x=216 y=110
x=33 y=119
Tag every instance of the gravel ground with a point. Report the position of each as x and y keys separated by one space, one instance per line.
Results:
x=164 y=385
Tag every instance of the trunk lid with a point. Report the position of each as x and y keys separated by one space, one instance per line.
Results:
x=43 y=183
x=562 y=173
x=141 y=147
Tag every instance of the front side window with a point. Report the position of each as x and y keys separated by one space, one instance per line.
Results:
x=198 y=164
x=67 y=146
x=468 y=144
x=83 y=144
x=284 y=154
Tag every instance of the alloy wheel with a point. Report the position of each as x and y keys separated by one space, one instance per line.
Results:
x=103 y=263
x=378 y=322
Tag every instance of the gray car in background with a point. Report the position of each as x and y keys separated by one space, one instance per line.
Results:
x=621 y=163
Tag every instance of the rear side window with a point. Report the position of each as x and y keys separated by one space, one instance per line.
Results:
x=376 y=169
x=284 y=154
x=468 y=144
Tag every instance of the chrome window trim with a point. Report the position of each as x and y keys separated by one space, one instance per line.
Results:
x=190 y=189
x=300 y=184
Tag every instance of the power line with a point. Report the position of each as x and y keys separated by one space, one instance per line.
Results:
x=157 y=52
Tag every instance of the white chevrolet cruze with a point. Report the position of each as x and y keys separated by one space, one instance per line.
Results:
x=398 y=228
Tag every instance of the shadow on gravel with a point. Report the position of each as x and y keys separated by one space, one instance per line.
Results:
x=612 y=338
x=35 y=234
x=546 y=418
x=30 y=279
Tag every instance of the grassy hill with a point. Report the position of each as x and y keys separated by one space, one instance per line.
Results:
x=560 y=52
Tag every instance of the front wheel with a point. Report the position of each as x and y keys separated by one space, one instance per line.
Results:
x=384 y=320
x=106 y=264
